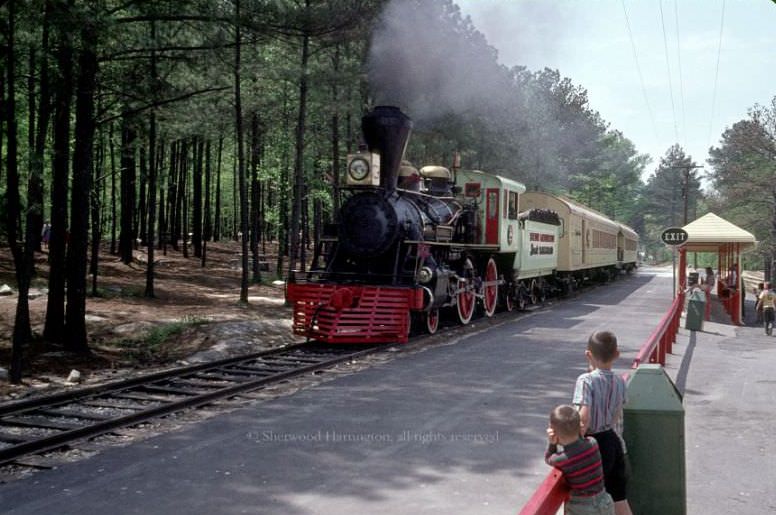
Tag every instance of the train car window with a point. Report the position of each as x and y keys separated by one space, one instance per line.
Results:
x=472 y=189
x=512 y=210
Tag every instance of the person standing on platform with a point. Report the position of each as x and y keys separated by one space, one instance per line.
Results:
x=600 y=395
x=708 y=280
x=580 y=463
x=768 y=302
x=758 y=307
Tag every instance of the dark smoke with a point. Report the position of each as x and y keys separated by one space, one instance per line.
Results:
x=430 y=61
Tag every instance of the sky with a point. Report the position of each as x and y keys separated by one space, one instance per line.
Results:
x=664 y=80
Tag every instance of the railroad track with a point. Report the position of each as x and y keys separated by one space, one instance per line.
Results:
x=44 y=424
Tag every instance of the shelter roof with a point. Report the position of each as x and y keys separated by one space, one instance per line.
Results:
x=710 y=232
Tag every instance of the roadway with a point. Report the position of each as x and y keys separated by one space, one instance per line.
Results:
x=455 y=428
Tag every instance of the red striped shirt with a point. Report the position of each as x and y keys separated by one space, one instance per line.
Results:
x=580 y=463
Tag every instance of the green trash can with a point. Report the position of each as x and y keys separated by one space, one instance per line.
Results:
x=696 y=310
x=653 y=430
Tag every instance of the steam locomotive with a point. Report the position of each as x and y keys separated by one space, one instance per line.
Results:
x=411 y=243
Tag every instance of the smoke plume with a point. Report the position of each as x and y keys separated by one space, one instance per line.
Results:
x=430 y=61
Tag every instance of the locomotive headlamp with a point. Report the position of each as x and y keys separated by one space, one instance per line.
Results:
x=363 y=169
x=425 y=274
x=358 y=169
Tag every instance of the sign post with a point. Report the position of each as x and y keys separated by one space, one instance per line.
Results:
x=674 y=236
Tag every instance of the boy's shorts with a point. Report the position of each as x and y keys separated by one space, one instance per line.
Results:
x=613 y=463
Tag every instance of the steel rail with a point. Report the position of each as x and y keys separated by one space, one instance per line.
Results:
x=70 y=396
x=62 y=438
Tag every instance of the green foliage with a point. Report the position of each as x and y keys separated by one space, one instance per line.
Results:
x=153 y=345
x=743 y=171
x=674 y=184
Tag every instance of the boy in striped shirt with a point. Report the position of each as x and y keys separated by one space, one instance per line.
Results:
x=580 y=462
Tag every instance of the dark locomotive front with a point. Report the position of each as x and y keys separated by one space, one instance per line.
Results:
x=373 y=267
x=380 y=224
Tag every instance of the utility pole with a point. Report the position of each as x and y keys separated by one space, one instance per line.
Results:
x=685 y=184
x=686 y=195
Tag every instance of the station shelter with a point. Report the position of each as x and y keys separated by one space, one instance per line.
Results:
x=713 y=234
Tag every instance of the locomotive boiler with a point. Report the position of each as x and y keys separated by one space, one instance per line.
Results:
x=410 y=243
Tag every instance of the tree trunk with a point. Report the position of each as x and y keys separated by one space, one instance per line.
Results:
x=21 y=328
x=297 y=196
x=235 y=200
x=207 y=230
x=172 y=192
x=142 y=207
x=217 y=224
x=35 y=189
x=150 y=230
x=95 y=217
x=241 y=157
x=180 y=194
x=113 y=210
x=196 y=222
x=75 y=316
x=254 y=218
x=183 y=199
x=128 y=177
x=282 y=196
x=335 y=137
x=55 y=306
x=152 y=173
x=2 y=115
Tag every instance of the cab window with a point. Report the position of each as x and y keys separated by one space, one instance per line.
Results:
x=512 y=206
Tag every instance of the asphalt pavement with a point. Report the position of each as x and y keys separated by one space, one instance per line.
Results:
x=456 y=428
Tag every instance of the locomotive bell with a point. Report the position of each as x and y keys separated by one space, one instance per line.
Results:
x=386 y=132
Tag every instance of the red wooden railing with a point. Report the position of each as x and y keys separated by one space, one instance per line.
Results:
x=549 y=497
x=553 y=492
x=662 y=339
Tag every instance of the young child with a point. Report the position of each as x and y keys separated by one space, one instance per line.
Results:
x=767 y=301
x=580 y=463
x=599 y=396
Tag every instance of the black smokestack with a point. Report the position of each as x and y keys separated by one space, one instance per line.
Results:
x=386 y=131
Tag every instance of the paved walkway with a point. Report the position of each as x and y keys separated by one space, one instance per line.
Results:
x=457 y=428
x=728 y=377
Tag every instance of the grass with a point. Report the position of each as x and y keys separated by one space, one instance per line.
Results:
x=152 y=347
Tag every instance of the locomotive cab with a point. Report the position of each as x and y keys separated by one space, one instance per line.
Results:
x=438 y=181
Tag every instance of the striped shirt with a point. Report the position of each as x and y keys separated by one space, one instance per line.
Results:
x=767 y=299
x=580 y=463
x=603 y=392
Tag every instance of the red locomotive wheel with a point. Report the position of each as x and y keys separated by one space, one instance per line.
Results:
x=466 y=296
x=432 y=321
x=509 y=303
x=490 y=293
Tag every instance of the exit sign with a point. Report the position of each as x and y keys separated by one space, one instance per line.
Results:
x=674 y=236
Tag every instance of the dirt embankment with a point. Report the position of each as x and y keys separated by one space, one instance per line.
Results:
x=195 y=316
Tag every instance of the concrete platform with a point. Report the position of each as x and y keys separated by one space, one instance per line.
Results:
x=457 y=428
x=727 y=376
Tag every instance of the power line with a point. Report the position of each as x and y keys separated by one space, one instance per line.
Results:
x=638 y=68
x=679 y=61
x=716 y=73
x=668 y=67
